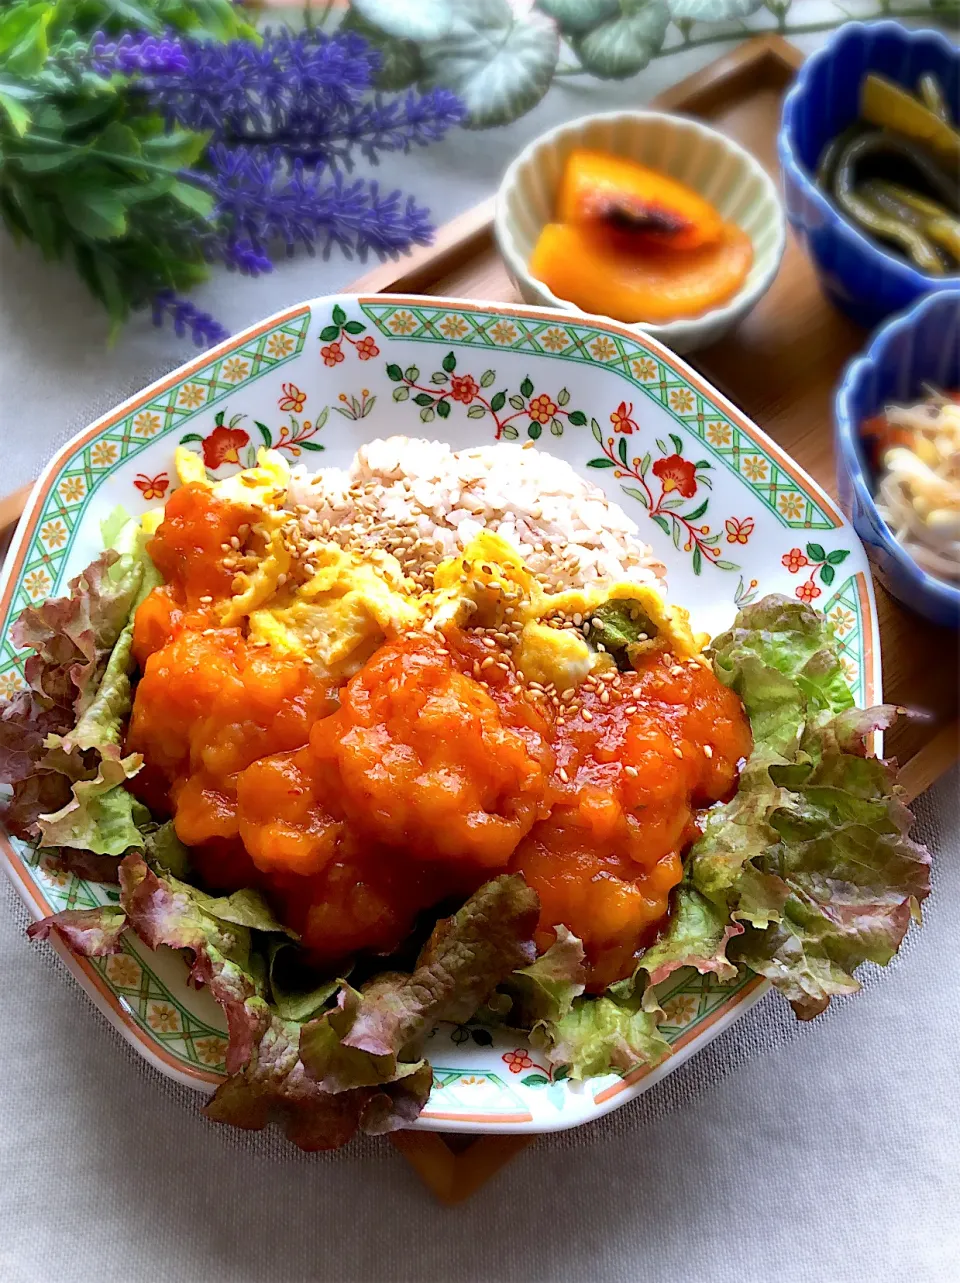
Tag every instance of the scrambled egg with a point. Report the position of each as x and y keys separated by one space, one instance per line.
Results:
x=488 y=584
x=339 y=616
x=337 y=607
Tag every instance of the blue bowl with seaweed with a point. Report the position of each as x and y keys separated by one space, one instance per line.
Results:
x=866 y=280
x=910 y=354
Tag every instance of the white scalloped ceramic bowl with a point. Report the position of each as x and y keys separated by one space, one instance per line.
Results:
x=715 y=166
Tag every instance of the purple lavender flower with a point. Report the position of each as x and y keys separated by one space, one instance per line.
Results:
x=204 y=329
x=376 y=126
x=130 y=54
x=302 y=92
x=241 y=89
x=285 y=117
x=263 y=198
x=243 y=257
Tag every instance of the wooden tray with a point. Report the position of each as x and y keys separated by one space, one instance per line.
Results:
x=781 y=366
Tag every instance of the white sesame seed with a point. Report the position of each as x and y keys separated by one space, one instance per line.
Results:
x=707 y=751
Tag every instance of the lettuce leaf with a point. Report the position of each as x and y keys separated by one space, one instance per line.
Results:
x=811 y=858
x=243 y=908
x=72 y=636
x=164 y=850
x=359 y=1067
x=164 y=911
x=100 y=815
x=372 y=1076
x=101 y=725
x=92 y=933
x=295 y=989
x=60 y=754
x=842 y=881
x=334 y=1063
x=602 y=1035
x=781 y=659
x=267 y=1080
x=543 y=992
x=696 y=936
x=275 y=1088
x=34 y=785
x=372 y=1034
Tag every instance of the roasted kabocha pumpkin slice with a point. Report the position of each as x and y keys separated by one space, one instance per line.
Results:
x=657 y=287
x=632 y=204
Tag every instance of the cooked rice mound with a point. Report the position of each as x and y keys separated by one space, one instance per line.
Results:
x=423 y=502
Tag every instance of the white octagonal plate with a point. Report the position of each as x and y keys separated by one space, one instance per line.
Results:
x=730 y=515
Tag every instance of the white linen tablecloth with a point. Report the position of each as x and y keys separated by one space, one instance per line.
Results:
x=827 y=1153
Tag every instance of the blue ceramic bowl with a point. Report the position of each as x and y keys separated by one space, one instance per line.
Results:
x=921 y=346
x=864 y=280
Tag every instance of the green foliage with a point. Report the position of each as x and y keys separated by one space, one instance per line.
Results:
x=220 y=19
x=623 y=45
x=85 y=176
x=501 y=59
x=400 y=62
x=577 y=17
x=712 y=10
x=417 y=20
x=499 y=62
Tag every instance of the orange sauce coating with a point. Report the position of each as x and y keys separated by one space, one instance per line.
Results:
x=355 y=810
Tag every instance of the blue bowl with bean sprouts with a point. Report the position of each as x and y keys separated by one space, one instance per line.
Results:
x=898 y=455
